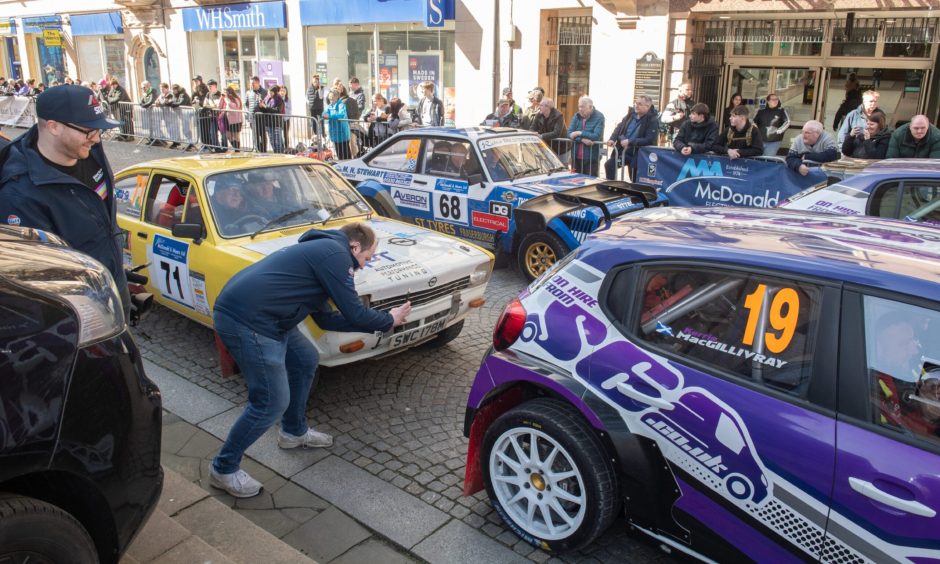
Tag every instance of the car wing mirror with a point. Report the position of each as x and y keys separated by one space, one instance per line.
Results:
x=475 y=179
x=188 y=231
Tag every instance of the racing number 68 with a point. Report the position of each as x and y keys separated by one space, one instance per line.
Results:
x=450 y=207
x=783 y=316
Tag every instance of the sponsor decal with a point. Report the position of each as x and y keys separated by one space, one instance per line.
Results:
x=402 y=242
x=490 y=221
x=732 y=350
x=439 y=226
x=485 y=144
x=695 y=168
x=411 y=199
x=725 y=196
x=13 y=219
x=654 y=157
x=664 y=329
x=508 y=196
x=499 y=208
x=448 y=185
x=651 y=170
x=393 y=270
x=384 y=176
x=488 y=237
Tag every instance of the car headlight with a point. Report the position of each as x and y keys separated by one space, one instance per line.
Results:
x=480 y=274
x=82 y=282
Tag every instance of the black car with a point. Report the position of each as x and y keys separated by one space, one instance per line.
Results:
x=79 y=420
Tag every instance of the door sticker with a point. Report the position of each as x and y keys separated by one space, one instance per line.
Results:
x=451 y=207
x=169 y=269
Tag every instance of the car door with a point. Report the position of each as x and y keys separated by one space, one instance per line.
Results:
x=130 y=191
x=731 y=374
x=917 y=199
x=886 y=495
x=397 y=167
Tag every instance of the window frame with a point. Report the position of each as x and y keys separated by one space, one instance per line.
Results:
x=821 y=395
x=854 y=400
x=471 y=156
x=902 y=187
x=152 y=186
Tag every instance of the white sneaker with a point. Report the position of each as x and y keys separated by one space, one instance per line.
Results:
x=237 y=484
x=311 y=439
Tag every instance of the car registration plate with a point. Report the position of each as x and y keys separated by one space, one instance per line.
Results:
x=408 y=337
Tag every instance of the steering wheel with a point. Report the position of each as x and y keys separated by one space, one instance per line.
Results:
x=243 y=221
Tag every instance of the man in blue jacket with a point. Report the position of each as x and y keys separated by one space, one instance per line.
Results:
x=256 y=316
x=585 y=131
x=639 y=128
x=55 y=177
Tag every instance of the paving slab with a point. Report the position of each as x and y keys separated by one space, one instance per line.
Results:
x=381 y=506
x=265 y=450
x=178 y=493
x=235 y=536
x=159 y=535
x=327 y=535
x=191 y=402
x=193 y=551
x=373 y=550
x=459 y=542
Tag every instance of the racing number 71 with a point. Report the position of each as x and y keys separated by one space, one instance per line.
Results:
x=783 y=316
x=165 y=266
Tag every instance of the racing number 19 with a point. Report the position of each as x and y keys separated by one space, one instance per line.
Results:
x=783 y=316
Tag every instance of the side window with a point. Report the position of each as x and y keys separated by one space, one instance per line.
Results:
x=921 y=200
x=129 y=194
x=902 y=350
x=165 y=201
x=757 y=327
x=453 y=158
x=401 y=156
x=193 y=211
x=884 y=202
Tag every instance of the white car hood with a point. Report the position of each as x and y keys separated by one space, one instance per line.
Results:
x=408 y=258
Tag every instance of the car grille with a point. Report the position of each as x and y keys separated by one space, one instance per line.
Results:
x=422 y=297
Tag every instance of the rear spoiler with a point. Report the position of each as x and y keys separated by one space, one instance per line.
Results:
x=533 y=215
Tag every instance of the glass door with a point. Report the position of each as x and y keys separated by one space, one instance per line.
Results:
x=248 y=54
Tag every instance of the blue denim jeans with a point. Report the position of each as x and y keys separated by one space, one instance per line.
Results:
x=279 y=375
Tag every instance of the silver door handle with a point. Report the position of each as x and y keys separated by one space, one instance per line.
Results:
x=869 y=490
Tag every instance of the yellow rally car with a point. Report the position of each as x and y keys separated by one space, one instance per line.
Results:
x=196 y=221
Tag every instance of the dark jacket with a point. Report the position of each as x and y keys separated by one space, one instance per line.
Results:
x=34 y=194
x=360 y=97
x=860 y=148
x=437 y=111
x=700 y=136
x=149 y=97
x=352 y=108
x=647 y=131
x=551 y=127
x=773 y=123
x=181 y=99
x=508 y=120
x=117 y=94
x=903 y=145
x=749 y=142
x=276 y=293
x=315 y=99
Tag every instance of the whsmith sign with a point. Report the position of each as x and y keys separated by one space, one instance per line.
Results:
x=256 y=15
x=713 y=180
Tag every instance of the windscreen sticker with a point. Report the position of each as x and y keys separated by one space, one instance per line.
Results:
x=169 y=269
x=198 y=282
x=485 y=144
x=448 y=185
x=413 y=199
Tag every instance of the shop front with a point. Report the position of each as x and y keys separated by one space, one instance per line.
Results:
x=9 y=50
x=391 y=46
x=45 y=48
x=100 y=47
x=231 y=43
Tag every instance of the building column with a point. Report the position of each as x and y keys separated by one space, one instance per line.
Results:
x=22 y=45
x=295 y=67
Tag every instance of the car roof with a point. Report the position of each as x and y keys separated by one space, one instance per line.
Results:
x=471 y=133
x=905 y=165
x=201 y=166
x=881 y=253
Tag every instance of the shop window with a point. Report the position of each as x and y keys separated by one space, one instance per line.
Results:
x=755 y=327
x=801 y=38
x=856 y=40
x=267 y=44
x=754 y=38
x=901 y=350
x=909 y=37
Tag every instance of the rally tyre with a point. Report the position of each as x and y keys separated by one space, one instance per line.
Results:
x=446 y=336
x=548 y=475
x=38 y=532
x=538 y=252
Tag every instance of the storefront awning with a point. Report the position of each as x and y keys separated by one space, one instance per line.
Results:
x=350 y=12
x=40 y=23
x=108 y=23
x=7 y=26
x=253 y=15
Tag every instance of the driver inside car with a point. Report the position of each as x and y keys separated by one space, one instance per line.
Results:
x=229 y=206
x=263 y=197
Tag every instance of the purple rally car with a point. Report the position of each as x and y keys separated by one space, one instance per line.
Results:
x=735 y=384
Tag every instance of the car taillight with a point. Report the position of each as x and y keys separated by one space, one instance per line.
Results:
x=509 y=326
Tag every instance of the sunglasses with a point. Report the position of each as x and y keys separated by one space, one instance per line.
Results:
x=89 y=133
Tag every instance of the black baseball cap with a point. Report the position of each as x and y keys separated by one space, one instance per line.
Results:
x=71 y=103
x=198 y=77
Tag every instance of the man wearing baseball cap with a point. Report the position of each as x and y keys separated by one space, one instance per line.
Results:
x=56 y=177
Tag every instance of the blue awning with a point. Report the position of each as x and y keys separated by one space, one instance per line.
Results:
x=7 y=26
x=39 y=23
x=108 y=23
x=350 y=12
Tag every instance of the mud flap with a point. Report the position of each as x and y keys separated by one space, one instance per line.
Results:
x=226 y=360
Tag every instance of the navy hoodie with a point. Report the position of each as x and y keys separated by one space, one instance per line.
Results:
x=276 y=293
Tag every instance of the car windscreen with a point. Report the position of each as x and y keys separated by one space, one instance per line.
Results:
x=245 y=201
x=518 y=156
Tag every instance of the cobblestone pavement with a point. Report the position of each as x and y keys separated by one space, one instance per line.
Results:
x=400 y=419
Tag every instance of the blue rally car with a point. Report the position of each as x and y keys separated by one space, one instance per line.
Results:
x=472 y=182
x=741 y=385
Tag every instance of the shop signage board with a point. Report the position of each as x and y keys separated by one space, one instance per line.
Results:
x=270 y=72
x=432 y=13
x=423 y=68
x=253 y=15
x=648 y=79
x=52 y=38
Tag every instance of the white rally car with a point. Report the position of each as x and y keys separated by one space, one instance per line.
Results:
x=176 y=223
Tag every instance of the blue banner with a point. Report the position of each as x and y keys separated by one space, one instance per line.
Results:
x=323 y=12
x=40 y=23
x=715 y=180
x=108 y=23
x=254 y=15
